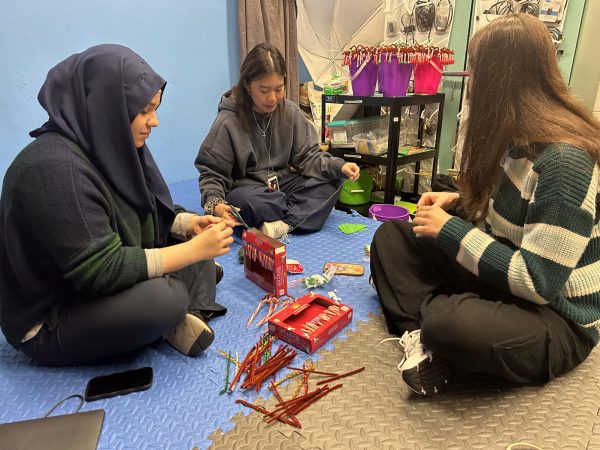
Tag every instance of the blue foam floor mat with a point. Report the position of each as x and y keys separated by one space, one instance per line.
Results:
x=183 y=406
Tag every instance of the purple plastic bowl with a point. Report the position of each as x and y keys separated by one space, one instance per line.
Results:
x=384 y=212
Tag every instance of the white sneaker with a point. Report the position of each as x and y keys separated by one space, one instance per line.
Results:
x=191 y=336
x=424 y=373
x=276 y=229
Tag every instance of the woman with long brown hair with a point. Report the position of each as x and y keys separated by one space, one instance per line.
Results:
x=502 y=278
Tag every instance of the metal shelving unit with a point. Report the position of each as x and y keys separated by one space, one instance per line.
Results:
x=391 y=159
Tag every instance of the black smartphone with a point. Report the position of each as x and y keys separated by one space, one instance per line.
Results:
x=119 y=383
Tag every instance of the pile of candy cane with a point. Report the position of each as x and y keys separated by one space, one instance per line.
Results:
x=401 y=53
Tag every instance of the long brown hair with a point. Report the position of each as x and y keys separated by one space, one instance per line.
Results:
x=261 y=61
x=517 y=97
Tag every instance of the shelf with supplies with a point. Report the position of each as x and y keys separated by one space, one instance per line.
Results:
x=390 y=159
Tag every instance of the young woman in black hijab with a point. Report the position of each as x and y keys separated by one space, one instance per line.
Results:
x=89 y=264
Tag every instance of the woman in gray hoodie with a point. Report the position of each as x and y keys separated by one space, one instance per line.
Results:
x=263 y=156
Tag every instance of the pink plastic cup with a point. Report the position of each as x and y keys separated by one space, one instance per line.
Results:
x=428 y=76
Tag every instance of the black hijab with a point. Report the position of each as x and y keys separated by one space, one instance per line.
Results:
x=91 y=98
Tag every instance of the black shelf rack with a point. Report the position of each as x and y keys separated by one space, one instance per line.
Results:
x=391 y=159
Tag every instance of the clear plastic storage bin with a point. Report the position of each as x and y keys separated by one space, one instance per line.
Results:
x=341 y=132
x=371 y=143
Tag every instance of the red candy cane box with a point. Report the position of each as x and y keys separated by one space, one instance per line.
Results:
x=265 y=261
x=310 y=321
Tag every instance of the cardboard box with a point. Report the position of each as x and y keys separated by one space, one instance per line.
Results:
x=310 y=321
x=265 y=262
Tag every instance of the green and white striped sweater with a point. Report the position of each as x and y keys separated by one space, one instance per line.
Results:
x=542 y=234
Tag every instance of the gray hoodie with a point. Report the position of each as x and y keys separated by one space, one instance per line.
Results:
x=230 y=157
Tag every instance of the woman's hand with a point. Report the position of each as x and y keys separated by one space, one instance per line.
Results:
x=351 y=170
x=211 y=238
x=214 y=240
x=222 y=209
x=198 y=224
x=444 y=200
x=429 y=220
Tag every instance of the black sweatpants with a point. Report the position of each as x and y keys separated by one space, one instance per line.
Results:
x=303 y=203
x=472 y=326
x=91 y=330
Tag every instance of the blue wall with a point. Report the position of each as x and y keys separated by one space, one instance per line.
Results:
x=193 y=44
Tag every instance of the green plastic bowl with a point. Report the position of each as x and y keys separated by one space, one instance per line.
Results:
x=357 y=192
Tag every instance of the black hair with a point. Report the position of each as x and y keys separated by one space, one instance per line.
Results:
x=261 y=61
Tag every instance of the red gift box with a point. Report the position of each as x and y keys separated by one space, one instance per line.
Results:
x=265 y=261
x=310 y=321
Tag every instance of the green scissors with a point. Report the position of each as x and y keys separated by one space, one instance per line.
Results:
x=238 y=218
